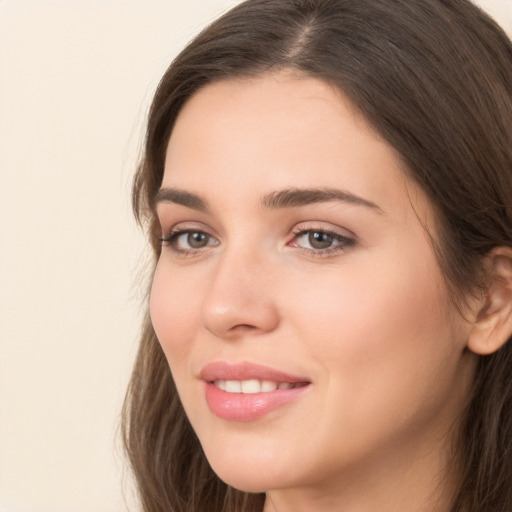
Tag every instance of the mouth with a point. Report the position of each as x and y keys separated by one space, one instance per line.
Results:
x=253 y=386
x=247 y=392
x=245 y=372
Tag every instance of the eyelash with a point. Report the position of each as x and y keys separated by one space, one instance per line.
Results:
x=171 y=240
x=341 y=242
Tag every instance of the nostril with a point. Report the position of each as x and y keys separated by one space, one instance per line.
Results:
x=244 y=327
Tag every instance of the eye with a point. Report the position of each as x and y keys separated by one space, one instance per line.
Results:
x=193 y=239
x=320 y=242
x=187 y=240
x=319 y=239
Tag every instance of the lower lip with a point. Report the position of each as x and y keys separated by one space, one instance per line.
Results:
x=247 y=406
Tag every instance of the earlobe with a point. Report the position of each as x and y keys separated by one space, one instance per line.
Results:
x=493 y=325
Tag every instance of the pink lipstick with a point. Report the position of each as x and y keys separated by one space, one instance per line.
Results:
x=246 y=391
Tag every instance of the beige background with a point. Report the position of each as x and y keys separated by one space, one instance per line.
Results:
x=75 y=80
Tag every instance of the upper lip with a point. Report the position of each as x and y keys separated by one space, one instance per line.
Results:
x=222 y=370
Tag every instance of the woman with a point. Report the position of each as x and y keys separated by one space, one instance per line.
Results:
x=327 y=186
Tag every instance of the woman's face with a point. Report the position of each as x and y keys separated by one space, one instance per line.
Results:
x=297 y=298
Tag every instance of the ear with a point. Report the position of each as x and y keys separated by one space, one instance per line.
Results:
x=493 y=325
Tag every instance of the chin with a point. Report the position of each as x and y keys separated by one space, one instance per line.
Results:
x=249 y=474
x=246 y=484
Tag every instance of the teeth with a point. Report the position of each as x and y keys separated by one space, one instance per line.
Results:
x=252 y=386
x=268 y=385
x=233 y=386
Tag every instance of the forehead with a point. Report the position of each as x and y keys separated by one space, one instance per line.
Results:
x=278 y=131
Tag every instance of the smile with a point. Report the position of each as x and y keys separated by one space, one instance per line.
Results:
x=244 y=392
x=253 y=386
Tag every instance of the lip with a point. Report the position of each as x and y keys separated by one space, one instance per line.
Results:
x=247 y=407
x=244 y=371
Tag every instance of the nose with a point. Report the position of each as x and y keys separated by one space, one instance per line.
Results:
x=240 y=301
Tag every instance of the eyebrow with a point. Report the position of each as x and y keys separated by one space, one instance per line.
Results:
x=293 y=198
x=177 y=196
x=288 y=198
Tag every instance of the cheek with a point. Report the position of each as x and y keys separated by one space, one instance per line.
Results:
x=382 y=343
x=172 y=314
x=376 y=298
x=384 y=330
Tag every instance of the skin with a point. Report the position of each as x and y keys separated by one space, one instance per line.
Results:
x=368 y=323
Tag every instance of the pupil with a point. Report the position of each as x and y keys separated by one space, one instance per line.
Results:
x=320 y=240
x=197 y=240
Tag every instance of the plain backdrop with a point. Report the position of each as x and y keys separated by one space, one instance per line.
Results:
x=76 y=78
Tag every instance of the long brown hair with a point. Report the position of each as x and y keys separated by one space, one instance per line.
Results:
x=434 y=77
